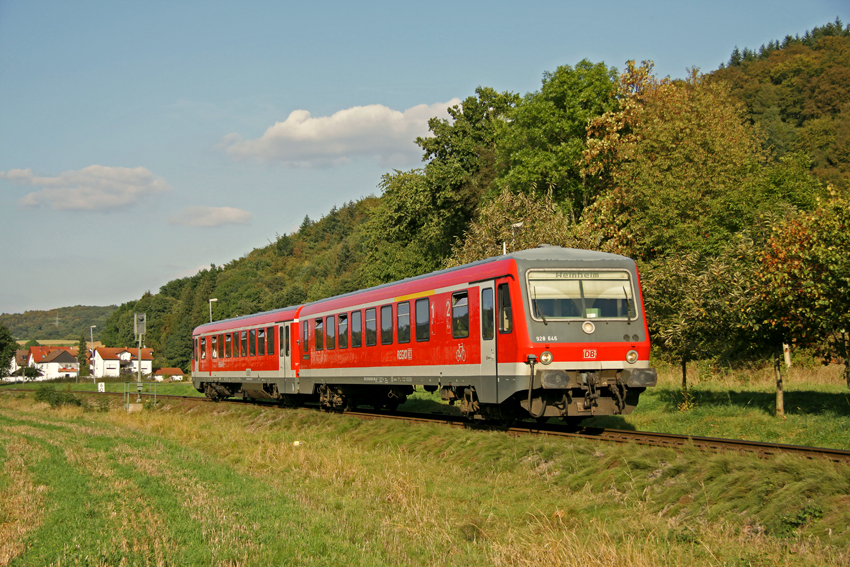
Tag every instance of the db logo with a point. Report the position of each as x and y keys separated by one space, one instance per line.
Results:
x=590 y=353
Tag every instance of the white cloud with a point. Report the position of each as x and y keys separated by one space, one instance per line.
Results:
x=96 y=187
x=210 y=216
x=373 y=131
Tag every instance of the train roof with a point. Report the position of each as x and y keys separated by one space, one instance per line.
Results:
x=532 y=257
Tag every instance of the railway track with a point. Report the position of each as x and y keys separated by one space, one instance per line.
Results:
x=763 y=450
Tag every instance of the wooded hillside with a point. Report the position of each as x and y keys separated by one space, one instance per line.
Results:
x=729 y=189
x=62 y=323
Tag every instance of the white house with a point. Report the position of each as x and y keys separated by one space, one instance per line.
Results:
x=53 y=362
x=112 y=362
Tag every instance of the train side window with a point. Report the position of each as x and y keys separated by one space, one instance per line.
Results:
x=488 y=324
x=281 y=342
x=270 y=335
x=460 y=314
x=252 y=342
x=318 y=334
x=244 y=340
x=506 y=317
x=203 y=348
x=287 y=341
x=227 y=345
x=423 y=319
x=305 y=336
x=356 y=329
x=221 y=346
x=214 y=343
x=330 y=333
x=343 y=330
x=194 y=349
x=386 y=324
x=261 y=342
x=403 y=317
x=371 y=327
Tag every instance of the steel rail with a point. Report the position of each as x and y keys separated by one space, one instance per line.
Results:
x=671 y=440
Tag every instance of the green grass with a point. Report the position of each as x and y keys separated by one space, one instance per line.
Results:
x=200 y=484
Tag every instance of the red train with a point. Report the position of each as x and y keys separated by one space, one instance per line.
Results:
x=546 y=332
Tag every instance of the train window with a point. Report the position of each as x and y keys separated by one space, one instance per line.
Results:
x=281 y=340
x=356 y=330
x=305 y=336
x=213 y=344
x=252 y=342
x=319 y=335
x=330 y=333
x=423 y=319
x=287 y=341
x=387 y=325
x=261 y=342
x=488 y=324
x=460 y=315
x=195 y=349
x=506 y=317
x=270 y=335
x=573 y=294
x=343 y=330
x=203 y=348
x=244 y=350
x=403 y=316
x=221 y=346
x=227 y=345
x=371 y=327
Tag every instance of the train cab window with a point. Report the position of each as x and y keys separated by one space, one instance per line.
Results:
x=488 y=323
x=203 y=348
x=423 y=319
x=330 y=333
x=270 y=346
x=506 y=317
x=305 y=336
x=387 y=325
x=261 y=342
x=403 y=317
x=214 y=343
x=371 y=327
x=356 y=330
x=252 y=342
x=195 y=349
x=319 y=335
x=343 y=330
x=460 y=314
x=243 y=352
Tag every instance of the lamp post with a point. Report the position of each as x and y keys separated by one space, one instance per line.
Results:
x=211 y=302
x=91 y=330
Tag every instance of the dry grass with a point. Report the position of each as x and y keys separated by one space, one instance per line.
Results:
x=21 y=501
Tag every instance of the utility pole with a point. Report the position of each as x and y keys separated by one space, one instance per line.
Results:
x=91 y=330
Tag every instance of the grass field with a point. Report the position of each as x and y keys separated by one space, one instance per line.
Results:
x=215 y=484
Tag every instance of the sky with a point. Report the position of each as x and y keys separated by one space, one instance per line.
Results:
x=143 y=141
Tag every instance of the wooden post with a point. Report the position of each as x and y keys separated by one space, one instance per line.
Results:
x=684 y=373
x=780 y=395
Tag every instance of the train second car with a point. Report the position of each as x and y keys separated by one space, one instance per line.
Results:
x=545 y=332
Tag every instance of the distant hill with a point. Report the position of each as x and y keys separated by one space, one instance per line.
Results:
x=57 y=324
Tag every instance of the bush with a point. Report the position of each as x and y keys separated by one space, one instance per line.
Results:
x=56 y=398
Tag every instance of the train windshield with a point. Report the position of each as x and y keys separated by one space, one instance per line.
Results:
x=580 y=294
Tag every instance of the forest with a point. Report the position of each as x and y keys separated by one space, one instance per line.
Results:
x=730 y=189
x=56 y=324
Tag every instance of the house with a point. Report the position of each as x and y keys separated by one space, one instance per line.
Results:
x=112 y=362
x=18 y=361
x=53 y=362
x=161 y=374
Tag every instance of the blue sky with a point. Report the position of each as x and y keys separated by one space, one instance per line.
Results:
x=140 y=141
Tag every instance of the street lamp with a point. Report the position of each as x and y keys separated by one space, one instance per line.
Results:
x=211 y=302
x=91 y=330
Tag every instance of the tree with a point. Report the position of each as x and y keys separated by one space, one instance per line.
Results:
x=806 y=274
x=8 y=346
x=540 y=144
x=82 y=358
x=31 y=343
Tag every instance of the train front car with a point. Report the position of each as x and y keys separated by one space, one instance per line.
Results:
x=584 y=348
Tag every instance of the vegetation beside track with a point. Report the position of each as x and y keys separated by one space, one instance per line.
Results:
x=190 y=483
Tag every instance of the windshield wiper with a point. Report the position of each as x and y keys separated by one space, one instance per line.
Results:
x=537 y=307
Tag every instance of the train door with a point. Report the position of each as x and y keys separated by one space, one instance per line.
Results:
x=285 y=343
x=488 y=330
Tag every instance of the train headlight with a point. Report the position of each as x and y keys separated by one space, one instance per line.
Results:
x=546 y=357
x=631 y=356
x=588 y=327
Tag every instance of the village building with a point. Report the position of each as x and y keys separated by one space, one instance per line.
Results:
x=113 y=362
x=161 y=374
